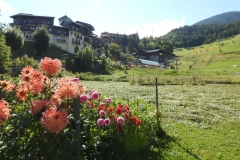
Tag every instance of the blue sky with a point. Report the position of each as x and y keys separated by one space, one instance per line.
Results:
x=147 y=17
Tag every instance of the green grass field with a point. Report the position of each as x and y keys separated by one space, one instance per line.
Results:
x=203 y=120
x=209 y=64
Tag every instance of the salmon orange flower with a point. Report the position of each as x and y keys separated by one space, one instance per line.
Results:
x=50 y=66
x=68 y=90
x=36 y=74
x=7 y=85
x=54 y=121
x=22 y=92
x=27 y=70
x=37 y=105
x=4 y=111
x=37 y=86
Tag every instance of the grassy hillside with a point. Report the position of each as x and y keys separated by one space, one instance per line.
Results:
x=217 y=57
x=210 y=63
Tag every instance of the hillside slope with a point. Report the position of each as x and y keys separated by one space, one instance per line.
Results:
x=52 y=51
x=223 y=18
x=223 y=57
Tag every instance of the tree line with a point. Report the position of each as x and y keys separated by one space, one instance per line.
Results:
x=196 y=35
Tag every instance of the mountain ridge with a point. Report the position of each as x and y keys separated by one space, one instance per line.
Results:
x=223 y=18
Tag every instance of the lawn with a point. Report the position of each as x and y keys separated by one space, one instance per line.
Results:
x=203 y=120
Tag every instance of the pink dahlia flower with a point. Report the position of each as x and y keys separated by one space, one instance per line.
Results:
x=54 y=121
x=4 y=111
x=92 y=91
x=83 y=98
x=107 y=121
x=120 y=120
x=75 y=80
x=100 y=122
x=102 y=113
x=94 y=95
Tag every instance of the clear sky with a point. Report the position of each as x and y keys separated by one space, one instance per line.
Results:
x=147 y=17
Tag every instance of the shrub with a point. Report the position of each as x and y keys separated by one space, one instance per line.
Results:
x=58 y=115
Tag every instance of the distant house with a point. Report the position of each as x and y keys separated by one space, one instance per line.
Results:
x=152 y=55
x=110 y=38
x=68 y=35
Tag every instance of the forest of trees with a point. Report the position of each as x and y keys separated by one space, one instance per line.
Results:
x=133 y=43
x=224 y=18
x=187 y=36
x=190 y=36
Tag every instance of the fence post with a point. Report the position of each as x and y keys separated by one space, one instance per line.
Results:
x=157 y=102
x=77 y=127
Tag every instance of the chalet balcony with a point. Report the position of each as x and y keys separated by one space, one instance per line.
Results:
x=79 y=37
x=29 y=36
x=61 y=40
x=76 y=42
x=16 y=24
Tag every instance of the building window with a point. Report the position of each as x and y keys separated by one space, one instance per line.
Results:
x=73 y=39
x=71 y=33
x=45 y=22
x=32 y=29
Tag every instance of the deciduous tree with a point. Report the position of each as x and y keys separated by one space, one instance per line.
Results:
x=85 y=59
x=41 y=39
x=14 y=38
x=5 y=53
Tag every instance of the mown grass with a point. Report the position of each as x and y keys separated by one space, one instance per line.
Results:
x=203 y=120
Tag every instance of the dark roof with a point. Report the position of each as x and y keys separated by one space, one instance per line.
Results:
x=28 y=15
x=78 y=24
x=147 y=51
x=153 y=50
x=60 y=27
x=112 y=34
x=86 y=24
x=65 y=23
x=65 y=17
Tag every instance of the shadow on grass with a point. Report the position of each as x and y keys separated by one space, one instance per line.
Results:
x=163 y=143
x=187 y=151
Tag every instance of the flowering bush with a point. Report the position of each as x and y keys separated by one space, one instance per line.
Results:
x=44 y=117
